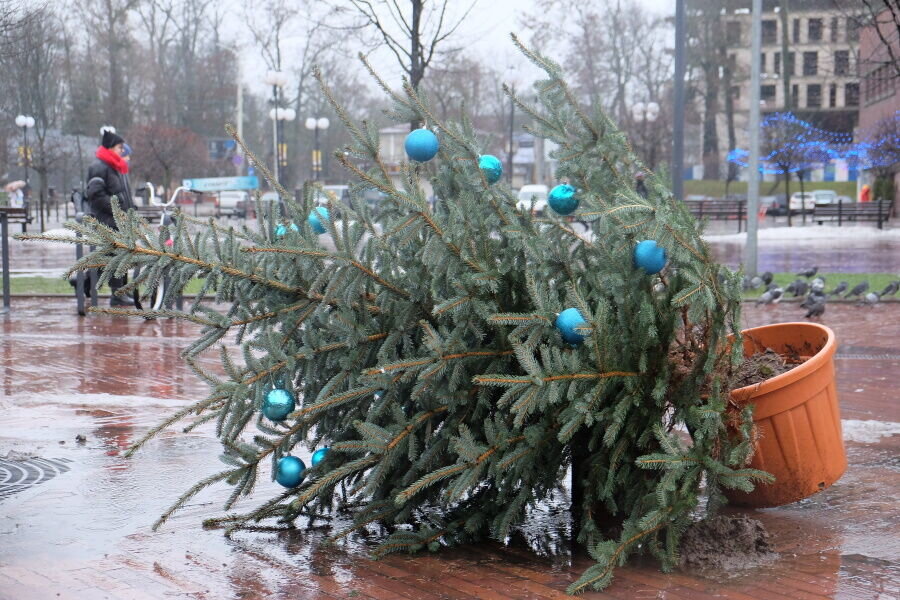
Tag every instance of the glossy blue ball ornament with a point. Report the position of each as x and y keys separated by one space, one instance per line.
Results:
x=281 y=229
x=491 y=167
x=316 y=218
x=278 y=404
x=319 y=455
x=289 y=472
x=567 y=323
x=562 y=199
x=649 y=257
x=421 y=145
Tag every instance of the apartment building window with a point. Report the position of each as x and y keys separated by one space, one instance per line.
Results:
x=835 y=23
x=790 y=69
x=853 y=29
x=832 y=95
x=776 y=63
x=841 y=62
x=796 y=31
x=762 y=63
x=814 y=30
x=851 y=94
x=813 y=95
x=795 y=96
x=736 y=92
x=769 y=31
x=810 y=63
x=767 y=94
x=733 y=33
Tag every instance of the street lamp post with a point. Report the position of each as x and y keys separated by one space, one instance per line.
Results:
x=315 y=125
x=25 y=122
x=278 y=116
x=277 y=79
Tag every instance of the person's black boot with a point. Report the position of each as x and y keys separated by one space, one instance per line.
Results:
x=73 y=281
x=115 y=283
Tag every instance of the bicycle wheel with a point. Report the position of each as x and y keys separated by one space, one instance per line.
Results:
x=159 y=294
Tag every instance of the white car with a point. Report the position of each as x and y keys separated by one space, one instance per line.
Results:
x=533 y=198
x=232 y=203
x=802 y=201
x=825 y=196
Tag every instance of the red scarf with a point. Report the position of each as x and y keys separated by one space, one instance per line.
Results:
x=112 y=159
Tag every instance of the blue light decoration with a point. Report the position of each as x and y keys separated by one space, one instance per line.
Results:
x=795 y=145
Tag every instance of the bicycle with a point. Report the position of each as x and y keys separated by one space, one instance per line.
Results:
x=165 y=219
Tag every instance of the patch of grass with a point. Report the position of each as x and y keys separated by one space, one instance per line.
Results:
x=877 y=281
x=716 y=188
x=51 y=285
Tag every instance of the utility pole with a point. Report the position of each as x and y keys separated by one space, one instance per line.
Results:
x=678 y=128
x=512 y=118
x=751 y=250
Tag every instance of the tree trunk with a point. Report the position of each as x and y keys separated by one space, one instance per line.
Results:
x=802 y=198
x=787 y=196
x=710 y=132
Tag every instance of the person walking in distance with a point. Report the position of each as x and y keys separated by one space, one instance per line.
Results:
x=639 y=186
x=108 y=178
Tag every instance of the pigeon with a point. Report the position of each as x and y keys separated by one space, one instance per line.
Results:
x=890 y=289
x=808 y=272
x=792 y=288
x=771 y=296
x=771 y=287
x=745 y=283
x=755 y=283
x=871 y=298
x=818 y=284
x=840 y=289
x=801 y=289
x=817 y=309
x=813 y=298
x=767 y=277
x=859 y=289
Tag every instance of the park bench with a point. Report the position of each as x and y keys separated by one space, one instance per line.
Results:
x=719 y=210
x=9 y=215
x=878 y=211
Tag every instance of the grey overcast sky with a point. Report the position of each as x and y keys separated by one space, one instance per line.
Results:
x=485 y=33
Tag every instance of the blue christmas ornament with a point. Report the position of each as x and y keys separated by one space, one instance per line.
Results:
x=278 y=404
x=567 y=322
x=562 y=199
x=421 y=145
x=649 y=257
x=281 y=229
x=289 y=472
x=319 y=455
x=316 y=217
x=491 y=167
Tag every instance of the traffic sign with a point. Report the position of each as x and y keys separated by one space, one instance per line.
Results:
x=220 y=184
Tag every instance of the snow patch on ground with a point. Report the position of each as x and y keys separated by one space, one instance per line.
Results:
x=786 y=234
x=868 y=432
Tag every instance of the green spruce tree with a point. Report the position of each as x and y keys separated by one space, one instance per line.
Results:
x=424 y=348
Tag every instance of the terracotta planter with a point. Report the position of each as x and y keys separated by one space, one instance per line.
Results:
x=797 y=416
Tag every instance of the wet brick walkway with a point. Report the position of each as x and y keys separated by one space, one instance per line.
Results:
x=85 y=533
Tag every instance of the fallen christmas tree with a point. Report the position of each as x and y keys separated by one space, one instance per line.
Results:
x=453 y=366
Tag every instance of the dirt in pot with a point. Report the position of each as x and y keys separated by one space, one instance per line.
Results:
x=725 y=543
x=762 y=366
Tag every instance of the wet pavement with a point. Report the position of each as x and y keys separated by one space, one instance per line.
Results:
x=78 y=524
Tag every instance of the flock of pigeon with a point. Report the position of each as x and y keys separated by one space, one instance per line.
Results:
x=814 y=291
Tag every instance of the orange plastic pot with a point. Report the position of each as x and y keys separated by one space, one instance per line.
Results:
x=797 y=416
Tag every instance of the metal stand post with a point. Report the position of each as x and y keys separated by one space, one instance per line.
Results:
x=4 y=246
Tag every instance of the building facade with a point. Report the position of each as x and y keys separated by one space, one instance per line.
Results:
x=822 y=64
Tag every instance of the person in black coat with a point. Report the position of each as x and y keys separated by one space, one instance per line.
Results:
x=108 y=178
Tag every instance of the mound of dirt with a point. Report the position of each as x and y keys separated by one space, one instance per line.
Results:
x=725 y=543
x=760 y=367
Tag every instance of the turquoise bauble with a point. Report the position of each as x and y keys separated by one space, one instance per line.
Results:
x=319 y=455
x=567 y=322
x=289 y=472
x=281 y=229
x=278 y=404
x=316 y=218
x=649 y=257
x=491 y=167
x=562 y=199
x=421 y=145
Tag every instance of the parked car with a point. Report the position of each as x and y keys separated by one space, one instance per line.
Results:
x=825 y=196
x=802 y=201
x=774 y=205
x=232 y=203
x=533 y=198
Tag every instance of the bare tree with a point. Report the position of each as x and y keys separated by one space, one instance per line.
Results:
x=166 y=154
x=37 y=70
x=883 y=16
